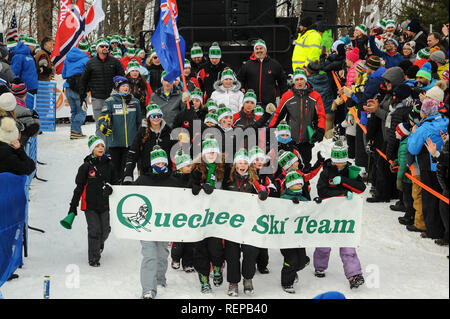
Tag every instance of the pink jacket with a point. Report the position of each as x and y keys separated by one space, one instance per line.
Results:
x=351 y=75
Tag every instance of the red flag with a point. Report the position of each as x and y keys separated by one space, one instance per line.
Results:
x=94 y=16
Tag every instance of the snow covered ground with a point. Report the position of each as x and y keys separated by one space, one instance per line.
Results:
x=396 y=263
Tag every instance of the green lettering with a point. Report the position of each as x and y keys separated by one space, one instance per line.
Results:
x=222 y=218
x=300 y=223
x=263 y=223
x=282 y=225
x=158 y=220
x=179 y=220
x=344 y=223
x=208 y=218
x=237 y=220
x=311 y=226
x=191 y=221
x=273 y=225
x=324 y=226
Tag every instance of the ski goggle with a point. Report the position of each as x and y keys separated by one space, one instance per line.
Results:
x=156 y=116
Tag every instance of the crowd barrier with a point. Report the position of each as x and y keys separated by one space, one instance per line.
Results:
x=363 y=128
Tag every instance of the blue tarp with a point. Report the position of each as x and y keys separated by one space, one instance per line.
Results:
x=12 y=219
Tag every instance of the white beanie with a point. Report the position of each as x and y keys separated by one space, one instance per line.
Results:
x=8 y=130
x=437 y=91
x=8 y=102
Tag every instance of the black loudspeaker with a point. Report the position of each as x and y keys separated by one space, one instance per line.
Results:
x=319 y=10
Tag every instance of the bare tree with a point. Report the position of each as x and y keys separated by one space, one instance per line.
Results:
x=44 y=19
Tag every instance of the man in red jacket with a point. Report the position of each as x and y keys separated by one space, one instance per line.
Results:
x=304 y=111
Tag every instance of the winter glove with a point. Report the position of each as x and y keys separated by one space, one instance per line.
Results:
x=208 y=188
x=107 y=190
x=263 y=193
x=320 y=158
x=185 y=97
x=394 y=166
x=105 y=130
x=348 y=91
x=400 y=184
x=270 y=108
x=72 y=211
x=318 y=136
x=337 y=180
x=196 y=189
x=295 y=200
x=128 y=180
x=349 y=195
x=84 y=105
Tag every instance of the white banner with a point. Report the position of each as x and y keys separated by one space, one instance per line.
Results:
x=175 y=215
x=62 y=104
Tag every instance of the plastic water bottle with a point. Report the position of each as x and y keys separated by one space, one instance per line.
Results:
x=47 y=287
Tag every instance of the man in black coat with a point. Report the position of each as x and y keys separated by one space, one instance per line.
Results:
x=263 y=75
x=98 y=79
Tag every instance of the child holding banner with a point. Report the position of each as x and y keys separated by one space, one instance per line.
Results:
x=208 y=174
x=339 y=180
x=295 y=259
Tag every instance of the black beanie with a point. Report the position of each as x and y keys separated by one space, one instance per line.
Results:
x=402 y=91
x=412 y=71
x=414 y=26
x=306 y=21
x=405 y=65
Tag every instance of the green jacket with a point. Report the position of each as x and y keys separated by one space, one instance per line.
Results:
x=288 y=194
x=125 y=119
x=402 y=150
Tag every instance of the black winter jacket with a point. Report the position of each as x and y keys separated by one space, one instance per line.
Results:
x=208 y=75
x=442 y=167
x=98 y=77
x=160 y=180
x=400 y=115
x=155 y=72
x=15 y=161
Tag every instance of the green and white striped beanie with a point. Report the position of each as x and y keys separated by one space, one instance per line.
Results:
x=211 y=117
x=293 y=178
x=258 y=111
x=210 y=145
x=382 y=24
x=339 y=153
x=212 y=105
x=299 y=73
x=286 y=159
x=100 y=42
x=94 y=141
x=196 y=51
x=30 y=41
x=152 y=53
x=241 y=155
x=130 y=41
x=283 y=128
x=152 y=109
x=223 y=111
x=187 y=63
x=260 y=42
x=158 y=155
x=250 y=96
x=83 y=46
x=227 y=74
x=197 y=94
x=255 y=153
x=214 y=51
x=131 y=52
x=133 y=66
x=391 y=23
x=424 y=53
x=11 y=45
x=362 y=28
x=182 y=160
x=117 y=53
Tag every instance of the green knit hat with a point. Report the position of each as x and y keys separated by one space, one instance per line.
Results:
x=299 y=73
x=115 y=39
x=101 y=41
x=11 y=45
x=227 y=74
x=210 y=145
x=182 y=160
x=260 y=42
x=163 y=74
x=362 y=28
x=134 y=65
x=117 y=53
x=241 y=155
x=255 y=153
x=152 y=53
x=250 y=96
x=391 y=23
x=130 y=41
x=211 y=105
x=293 y=178
x=196 y=51
x=93 y=141
x=211 y=117
x=158 y=155
x=286 y=159
x=214 y=51
x=131 y=52
x=339 y=153
x=425 y=71
x=197 y=94
x=83 y=45
x=223 y=111
x=187 y=63
x=259 y=111
x=30 y=41
x=152 y=109
x=424 y=53
x=283 y=128
x=382 y=24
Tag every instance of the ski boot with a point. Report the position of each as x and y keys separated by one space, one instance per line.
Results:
x=233 y=290
x=248 y=287
x=218 y=276
x=204 y=282
x=356 y=281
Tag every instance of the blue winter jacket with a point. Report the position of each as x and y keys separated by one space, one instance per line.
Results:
x=321 y=84
x=74 y=64
x=391 y=60
x=430 y=127
x=373 y=83
x=23 y=66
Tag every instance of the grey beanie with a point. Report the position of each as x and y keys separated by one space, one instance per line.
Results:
x=394 y=75
x=438 y=57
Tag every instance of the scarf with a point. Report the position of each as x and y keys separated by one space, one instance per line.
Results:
x=211 y=177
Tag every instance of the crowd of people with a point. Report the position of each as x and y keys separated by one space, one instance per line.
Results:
x=381 y=94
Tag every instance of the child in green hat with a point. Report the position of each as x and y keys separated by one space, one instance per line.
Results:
x=92 y=180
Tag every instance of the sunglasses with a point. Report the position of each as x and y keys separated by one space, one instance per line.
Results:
x=155 y=57
x=104 y=46
x=156 y=116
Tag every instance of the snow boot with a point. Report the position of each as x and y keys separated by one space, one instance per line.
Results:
x=218 y=276
x=263 y=271
x=94 y=264
x=319 y=273
x=149 y=295
x=405 y=220
x=233 y=290
x=248 y=287
x=289 y=289
x=204 y=282
x=356 y=281
x=175 y=264
x=188 y=269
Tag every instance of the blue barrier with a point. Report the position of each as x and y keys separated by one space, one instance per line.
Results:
x=45 y=105
x=12 y=219
x=31 y=150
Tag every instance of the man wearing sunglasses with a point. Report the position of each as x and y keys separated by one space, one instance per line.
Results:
x=98 y=79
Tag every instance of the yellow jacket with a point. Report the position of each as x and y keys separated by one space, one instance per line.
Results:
x=307 y=49
x=441 y=69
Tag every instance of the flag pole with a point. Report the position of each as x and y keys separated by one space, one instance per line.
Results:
x=177 y=40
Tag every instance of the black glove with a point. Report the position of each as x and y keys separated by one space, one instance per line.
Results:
x=208 y=188
x=318 y=200
x=318 y=136
x=295 y=200
x=196 y=189
x=320 y=158
x=107 y=190
x=72 y=211
x=263 y=194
